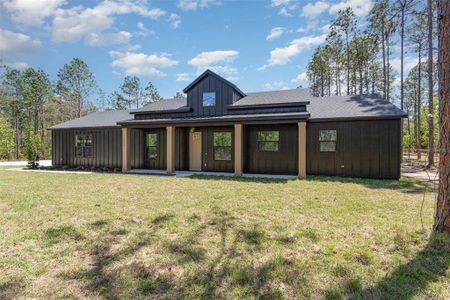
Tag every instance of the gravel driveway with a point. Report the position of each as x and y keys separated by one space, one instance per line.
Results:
x=44 y=163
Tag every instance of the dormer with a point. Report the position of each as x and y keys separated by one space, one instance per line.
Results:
x=211 y=94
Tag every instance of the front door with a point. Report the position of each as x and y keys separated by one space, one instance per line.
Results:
x=195 y=150
x=155 y=140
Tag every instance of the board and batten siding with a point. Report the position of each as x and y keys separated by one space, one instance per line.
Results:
x=366 y=149
x=107 y=148
x=225 y=95
x=283 y=161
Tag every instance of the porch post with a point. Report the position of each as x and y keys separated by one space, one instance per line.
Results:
x=126 y=166
x=302 y=149
x=238 y=149
x=170 y=149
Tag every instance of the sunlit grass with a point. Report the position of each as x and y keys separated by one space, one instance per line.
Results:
x=106 y=236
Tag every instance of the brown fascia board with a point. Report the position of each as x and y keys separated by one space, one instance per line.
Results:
x=85 y=128
x=368 y=118
x=167 y=111
x=214 y=120
x=269 y=105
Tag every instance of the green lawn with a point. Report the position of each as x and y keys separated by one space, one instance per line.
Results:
x=116 y=236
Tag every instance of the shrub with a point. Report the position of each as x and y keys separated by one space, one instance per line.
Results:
x=32 y=145
x=6 y=139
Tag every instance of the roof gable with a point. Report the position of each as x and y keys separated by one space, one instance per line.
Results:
x=218 y=77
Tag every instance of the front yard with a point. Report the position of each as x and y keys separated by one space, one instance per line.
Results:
x=115 y=236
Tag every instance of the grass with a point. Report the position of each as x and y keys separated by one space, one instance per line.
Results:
x=113 y=236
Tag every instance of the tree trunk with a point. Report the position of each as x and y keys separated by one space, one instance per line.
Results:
x=402 y=50
x=430 y=87
x=17 y=140
x=419 y=96
x=384 y=61
x=416 y=136
x=348 y=63
x=388 y=88
x=442 y=215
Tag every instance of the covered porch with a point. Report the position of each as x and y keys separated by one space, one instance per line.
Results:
x=224 y=149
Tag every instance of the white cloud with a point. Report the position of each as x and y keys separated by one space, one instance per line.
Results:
x=76 y=23
x=285 y=7
x=31 y=12
x=311 y=25
x=210 y=58
x=284 y=12
x=281 y=56
x=280 y=2
x=141 y=64
x=12 y=45
x=301 y=79
x=275 y=33
x=174 y=20
x=277 y=85
x=312 y=11
x=194 y=4
x=217 y=61
x=360 y=7
x=96 y=39
x=183 y=77
x=144 y=31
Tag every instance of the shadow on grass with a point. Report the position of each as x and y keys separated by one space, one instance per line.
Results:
x=407 y=280
x=11 y=289
x=404 y=185
x=57 y=234
x=191 y=271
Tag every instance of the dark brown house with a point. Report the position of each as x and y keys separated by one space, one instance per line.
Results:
x=220 y=128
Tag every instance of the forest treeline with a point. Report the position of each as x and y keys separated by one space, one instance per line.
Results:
x=30 y=103
x=358 y=59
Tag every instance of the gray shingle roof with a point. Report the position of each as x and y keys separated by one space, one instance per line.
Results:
x=273 y=97
x=163 y=105
x=97 y=119
x=211 y=73
x=333 y=107
x=364 y=106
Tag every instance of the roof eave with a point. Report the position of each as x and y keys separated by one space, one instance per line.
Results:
x=209 y=72
x=147 y=112
x=269 y=105
x=357 y=118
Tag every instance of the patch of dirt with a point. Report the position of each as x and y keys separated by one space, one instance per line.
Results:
x=420 y=173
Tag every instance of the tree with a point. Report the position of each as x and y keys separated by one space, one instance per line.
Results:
x=345 y=24
x=430 y=85
x=13 y=104
x=382 y=26
x=76 y=83
x=6 y=139
x=151 y=93
x=37 y=91
x=442 y=215
x=405 y=7
x=179 y=95
x=417 y=37
x=32 y=148
x=132 y=91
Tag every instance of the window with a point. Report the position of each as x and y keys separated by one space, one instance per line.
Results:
x=222 y=145
x=268 y=140
x=327 y=140
x=83 y=145
x=152 y=145
x=209 y=99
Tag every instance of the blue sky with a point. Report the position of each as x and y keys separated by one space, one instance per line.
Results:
x=259 y=45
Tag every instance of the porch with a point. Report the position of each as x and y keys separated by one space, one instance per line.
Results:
x=226 y=150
